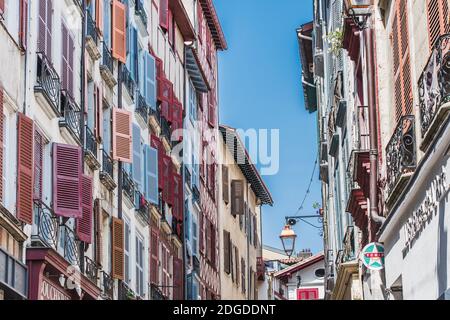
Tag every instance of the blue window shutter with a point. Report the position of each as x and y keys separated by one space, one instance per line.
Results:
x=107 y=23
x=150 y=80
x=141 y=75
x=151 y=174
x=134 y=53
x=137 y=162
x=106 y=138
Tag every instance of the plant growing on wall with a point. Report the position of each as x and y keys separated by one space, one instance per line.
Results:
x=335 y=41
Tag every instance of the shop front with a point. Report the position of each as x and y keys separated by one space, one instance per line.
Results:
x=416 y=234
x=51 y=277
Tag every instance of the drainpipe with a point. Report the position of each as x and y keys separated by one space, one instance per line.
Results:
x=369 y=44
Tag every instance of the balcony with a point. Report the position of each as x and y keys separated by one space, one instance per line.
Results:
x=156 y=293
x=48 y=86
x=128 y=186
x=348 y=252
x=71 y=118
x=50 y=231
x=155 y=120
x=128 y=82
x=143 y=19
x=107 y=172
x=187 y=177
x=142 y=208
x=107 y=286
x=92 y=38
x=400 y=158
x=125 y=293
x=107 y=67
x=434 y=92
x=91 y=270
x=165 y=133
x=91 y=150
x=142 y=109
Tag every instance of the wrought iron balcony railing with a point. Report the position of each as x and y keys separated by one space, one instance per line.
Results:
x=107 y=285
x=156 y=293
x=107 y=66
x=140 y=12
x=48 y=81
x=165 y=129
x=141 y=206
x=107 y=171
x=91 y=29
x=141 y=107
x=52 y=231
x=91 y=142
x=125 y=292
x=91 y=270
x=348 y=252
x=187 y=176
x=401 y=155
x=71 y=115
x=434 y=86
x=128 y=81
x=128 y=186
x=195 y=194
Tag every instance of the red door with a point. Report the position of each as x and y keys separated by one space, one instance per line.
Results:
x=308 y=294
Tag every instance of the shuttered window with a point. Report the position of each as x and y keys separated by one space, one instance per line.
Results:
x=308 y=294
x=243 y=272
x=150 y=80
x=402 y=64
x=151 y=174
x=154 y=251
x=45 y=28
x=99 y=15
x=201 y=230
x=178 y=279
x=199 y=22
x=117 y=248
x=237 y=262
x=164 y=14
x=84 y=224
x=171 y=29
x=98 y=128
x=122 y=137
x=237 y=197
x=137 y=158
x=25 y=168
x=178 y=202
x=2 y=6
x=67 y=180
x=225 y=184
x=212 y=109
x=98 y=229
x=23 y=28
x=166 y=176
x=119 y=37
x=213 y=246
x=438 y=19
x=39 y=144
x=177 y=120
x=68 y=49
x=226 y=252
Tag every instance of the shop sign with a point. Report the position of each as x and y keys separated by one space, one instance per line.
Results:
x=427 y=209
x=372 y=256
x=49 y=291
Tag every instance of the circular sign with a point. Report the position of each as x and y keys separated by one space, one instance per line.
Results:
x=373 y=256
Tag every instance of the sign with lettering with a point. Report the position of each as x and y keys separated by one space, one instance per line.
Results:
x=372 y=256
x=49 y=291
x=427 y=209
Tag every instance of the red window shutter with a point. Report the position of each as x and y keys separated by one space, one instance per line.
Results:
x=438 y=19
x=1 y=143
x=119 y=21
x=118 y=260
x=99 y=15
x=156 y=143
x=164 y=14
x=84 y=224
x=167 y=176
x=23 y=28
x=25 y=168
x=38 y=164
x=170 y=28
x=154 y=252
x=159 y=68
x=213 y=245
x=200 y=22
x=122 y=136
x=67 y=180
x=212 y=109
x=177 y=119
x=165 y=91
x=178 y=279
x=98 y=232
x=208 y=46
x=201 y=232
x=2 y=6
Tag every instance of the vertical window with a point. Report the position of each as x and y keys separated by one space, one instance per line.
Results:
x=192 y=102
x=194 y=236
x=45 y=28
x=127 y=250
x=337 y=203
x=39 y=144
x=139 y=265
x=68 y=49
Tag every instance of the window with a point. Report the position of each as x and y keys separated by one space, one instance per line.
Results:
x=437 y=19
x=337 y=203
x=243 y=271
x=4 y=146
x=192 y=102
x=319 y=273
x=45 y=27
x=308 y=294
x=194 y=236
x=139 y=265
x=127 y=250
x=39 y=144
x=67 y=69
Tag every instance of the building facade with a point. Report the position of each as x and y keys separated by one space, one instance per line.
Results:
x=242 y=193
x=375 y=72
x=93 y=192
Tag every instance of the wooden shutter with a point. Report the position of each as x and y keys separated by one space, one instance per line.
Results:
x=208 y=238
x=151 y=174
x=213 y=246
x=154 y=252
x=438 y=19
x=99 y=112
x=237 y=197
x=402 y=63
x=200 y=21
x=25 y=168
x=67 y=180
x=226 y=252
x=122 y=137
x=164 y=14
x=225 y=184
x=177 y=120
x=84 y=224
x=178 y=279
x=2 y=128
x=45 y=28
x=23 y=28
x=137 y=157
x=119 y=37
x=201 y=232
x=167 y=176
x=118 y=260
x=237 y=262
x=67 y=59
x=150 y=80
x=99 y=15
x=212 y=109
x=98 y=231
x=2 y=6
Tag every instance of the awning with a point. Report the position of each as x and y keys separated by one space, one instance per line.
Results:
x=195 y=72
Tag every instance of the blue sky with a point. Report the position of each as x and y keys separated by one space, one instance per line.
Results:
x=260 y=87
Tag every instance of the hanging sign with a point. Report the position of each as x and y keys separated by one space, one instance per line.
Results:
x=372 y=256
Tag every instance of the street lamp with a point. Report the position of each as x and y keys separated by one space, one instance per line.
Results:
x=288 y=237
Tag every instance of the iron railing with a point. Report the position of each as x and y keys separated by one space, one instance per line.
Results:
x=434 y=83
x=348 y=252
x=71 y=114
x=107 y=164
x=187 y=176
x=91 y=270
x=156 y=293
x=141 y=107
x=140 y=12
x=48 y=81
x=165 y=129
x=107 y=285
x=195 y=194
x=128 y=185
x=91 y=142
x=128 y=81
x=141 y=206
x=52 y=231
x=401 y=152
x=91 y=29
x=107 y=59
